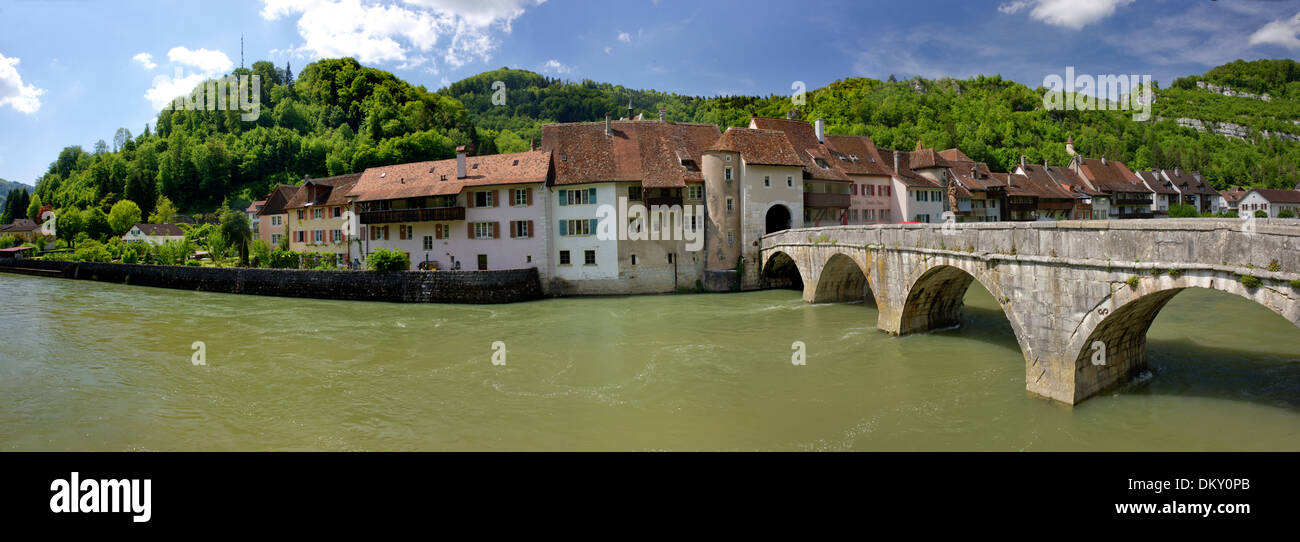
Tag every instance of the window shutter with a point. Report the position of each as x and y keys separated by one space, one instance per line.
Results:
x=471 y=229
x=564 y=227
x=563 y=198
x=496 y=199
x=528 y=196
x=470 y=197
x=437 y=231
x=513 y=229
x=496 y=230
x=592 y=231
x=591 y=194
x=530 y=224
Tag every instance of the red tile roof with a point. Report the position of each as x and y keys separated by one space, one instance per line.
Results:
x=1188 y=182
x=1155 y=182
x=19 y=225
x=420 y=179
x=1038 y=180
x=276 y=199
x=255 y=206
x=905 y=173
x=1279 y=196
x=160 y=230
x=1233 y=196
x=658 y=154
x=760 y=147
x=327 y=191
x=833 y=160
x=1110 y=175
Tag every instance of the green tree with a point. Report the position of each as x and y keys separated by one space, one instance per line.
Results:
x=34 y=208
x=237 y=232
x=97 y=226
x=1179 y=210
x=163 y=211
x=123 y=215
x=1286 y=213
x=68 y=223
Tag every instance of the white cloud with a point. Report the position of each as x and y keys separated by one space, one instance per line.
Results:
x=1280 y=32
x=555 y=66
x=402 y=32
x=624 y=37
x=211 y=62
x=202 y=65
x=24 y=98
x=609 y=50
x=1071 y=14
x=146 y=60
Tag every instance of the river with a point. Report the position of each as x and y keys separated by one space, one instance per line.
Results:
x=95 y=366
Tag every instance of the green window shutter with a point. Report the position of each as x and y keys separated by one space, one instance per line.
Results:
x=563 y=200
x=564 y=227
x=592 y=194
x=593 y=221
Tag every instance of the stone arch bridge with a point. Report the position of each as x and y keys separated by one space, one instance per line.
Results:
x=1068 y=288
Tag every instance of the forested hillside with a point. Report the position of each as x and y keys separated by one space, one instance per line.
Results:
x=339 y=117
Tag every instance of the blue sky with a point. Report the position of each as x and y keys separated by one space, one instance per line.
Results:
x=73 y=71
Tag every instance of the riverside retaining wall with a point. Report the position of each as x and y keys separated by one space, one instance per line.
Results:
x=471 y=287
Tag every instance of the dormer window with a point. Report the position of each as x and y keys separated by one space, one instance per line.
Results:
x=564 y=158
x=853 y=157
x=515 y=163
x=821 y=163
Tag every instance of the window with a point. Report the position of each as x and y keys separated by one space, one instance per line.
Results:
x=695 y=192
x=670 y=257
x=275 y=239
x=789 y=181
x=300 y=236
x=634 y=193
x=482 y=260
x=577 y=227
x=521 y=197
x=337 y=212
x=521 y=228
x=731 y=238
x=693 y=224
x=336 y=236
x=589 y=257
x=442 y=231
x=317 y=213
x=428 y=242
x=483 y=199
x=923 y=218
x=634 y=259
x=300 y=214
x=485 y=230
x=767 y=180
x=578 y=197
x=728 y=172
x=728 y=157
x=276 y=220
x=731 y=205
x=564 y=257
x=318 y=236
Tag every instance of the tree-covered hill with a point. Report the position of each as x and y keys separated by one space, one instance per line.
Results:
x=9 y=186
x=340 y=117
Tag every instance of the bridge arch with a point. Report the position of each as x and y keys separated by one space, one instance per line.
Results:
x=841 y=280
x=780 y=270
x=1120 y=323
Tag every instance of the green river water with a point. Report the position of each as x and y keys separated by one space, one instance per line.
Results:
x=93 y=366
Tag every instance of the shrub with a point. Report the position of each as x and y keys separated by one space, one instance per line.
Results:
x=1175 y=273
x=1261 y=214
x=1132 y=282
x=1249 y=281
x=1286 y=213
x=1183 y=211
x=388 y=260
x=1295 y=283
x=283 y=259
x=1155 y=272
x=1274 y=266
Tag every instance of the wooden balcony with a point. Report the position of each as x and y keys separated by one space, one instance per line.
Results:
x=413 y=215
x=812 y=200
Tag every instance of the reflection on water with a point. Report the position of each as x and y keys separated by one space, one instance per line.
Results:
x=90 y=366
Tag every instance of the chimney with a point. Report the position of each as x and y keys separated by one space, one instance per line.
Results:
x=1022 y=160
x=532 y=144
x=1178 y=171
x=608 y=128
x=792 y=114
x=460 y=162
x=896 y=169
x=820 y=127
x=1103 y=159
x=663 y=115
x=974 y=172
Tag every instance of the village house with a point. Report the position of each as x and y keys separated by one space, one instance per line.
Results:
x=317 y=215
x=1271 y=202
x=754 y=186
x=1192 y=189
x=980 y=197
x=827 y=186
x=24 y=229
x=644 y=162
x=472 y=213
x=1229 y=200
x=917 y=198
x=1052 y=200
x=154 y=234
x=1124 y=196
x=255 y=225
x=273 y=222
x=1162 y=190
